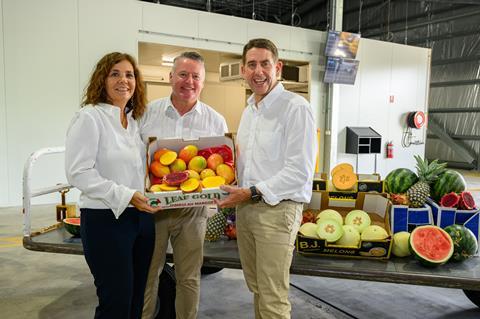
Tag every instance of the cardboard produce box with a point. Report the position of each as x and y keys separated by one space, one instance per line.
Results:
x=446 y=216
x=365 y=183
x=177 y=198
x=375 y=204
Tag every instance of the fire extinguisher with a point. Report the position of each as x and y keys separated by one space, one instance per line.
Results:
x=390 y=149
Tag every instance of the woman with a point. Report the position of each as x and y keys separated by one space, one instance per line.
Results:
x=104 y=160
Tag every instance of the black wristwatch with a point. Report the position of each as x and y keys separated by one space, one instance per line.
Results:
x=256 y=196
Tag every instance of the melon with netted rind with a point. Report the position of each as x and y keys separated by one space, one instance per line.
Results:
x=330 y=214
x=350 y=237
x=374 y=232
x=309 y=230
x=400 y=244
x=358 y=219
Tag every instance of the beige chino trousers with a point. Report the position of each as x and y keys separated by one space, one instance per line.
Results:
x=266 y=236
x=185 y=227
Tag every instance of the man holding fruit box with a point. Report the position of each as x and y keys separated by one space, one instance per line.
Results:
x=276 y=148
x=181 y=115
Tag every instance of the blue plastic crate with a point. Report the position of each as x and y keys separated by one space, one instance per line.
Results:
x=404 y=218
x=446 y=216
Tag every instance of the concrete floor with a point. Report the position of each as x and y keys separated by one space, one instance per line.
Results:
x=47 y=286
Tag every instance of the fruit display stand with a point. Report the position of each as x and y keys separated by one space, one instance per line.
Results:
x=224 y=253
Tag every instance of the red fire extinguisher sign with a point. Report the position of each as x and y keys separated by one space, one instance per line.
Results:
x=390 y=149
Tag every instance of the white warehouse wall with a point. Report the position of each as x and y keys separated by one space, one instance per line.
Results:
x=385 y=69
x=48 y=49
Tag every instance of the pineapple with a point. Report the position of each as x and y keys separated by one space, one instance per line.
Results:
x=216 y=225
x=427 y=174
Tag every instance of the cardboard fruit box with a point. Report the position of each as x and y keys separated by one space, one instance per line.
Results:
x=365 y=183
x=375 y=204
x=177 y=198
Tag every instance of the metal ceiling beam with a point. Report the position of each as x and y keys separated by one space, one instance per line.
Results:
x=441 y=133
x=458 y=137
x=462 y=59
x=450 y=1
x=424 y=23
x=455 y=110
x=444 y=36
x=305 y=7
x=454 y=83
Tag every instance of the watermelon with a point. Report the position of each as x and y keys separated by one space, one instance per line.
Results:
x=72 y=225
x=449 y=181
x=399 y=180
x=431 y=245
x=465 y=244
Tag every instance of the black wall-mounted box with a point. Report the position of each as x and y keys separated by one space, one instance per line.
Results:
x=363 y=140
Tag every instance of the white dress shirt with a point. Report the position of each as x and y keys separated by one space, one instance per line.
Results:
x=103 y=159
x=162 y=120
x=276 y=147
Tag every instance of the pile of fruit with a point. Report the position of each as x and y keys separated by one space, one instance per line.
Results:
x=330 y=226
x=463 y=200
x=191 y=169
x=432 y=180
x=434 y=246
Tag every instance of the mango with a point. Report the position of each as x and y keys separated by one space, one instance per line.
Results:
x=168 y=158
x=155 y=188
x=197 y=163
x=213 y=181
x=158 y=153
x=190 y=185
x=226 y=172
x=193 y=174
x=188 y=152
x=207 y=172
x=178 y=165
x=167 y=188
x=214 y=160
x=158 y=169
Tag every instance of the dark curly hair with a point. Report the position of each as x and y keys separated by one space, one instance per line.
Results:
x=96 y=91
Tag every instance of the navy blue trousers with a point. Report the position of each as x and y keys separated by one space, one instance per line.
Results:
x=118 y=252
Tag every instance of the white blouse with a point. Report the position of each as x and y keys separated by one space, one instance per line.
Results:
x=104 y=160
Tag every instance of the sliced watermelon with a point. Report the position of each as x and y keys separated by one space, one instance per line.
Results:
x=431 y=245
x=72 y=225
x=465 y=244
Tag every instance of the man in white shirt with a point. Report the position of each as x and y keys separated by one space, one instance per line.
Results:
x=276 y=149
x=180 y=115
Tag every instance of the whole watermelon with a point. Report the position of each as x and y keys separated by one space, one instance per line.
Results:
x=399 y=180
x=449 y=181
x=465 y=244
